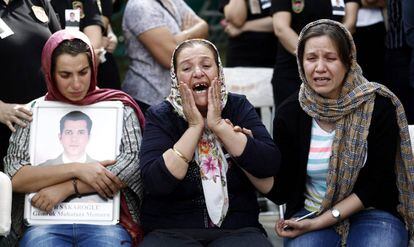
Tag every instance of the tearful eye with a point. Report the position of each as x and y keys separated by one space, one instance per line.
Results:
x=64 y=75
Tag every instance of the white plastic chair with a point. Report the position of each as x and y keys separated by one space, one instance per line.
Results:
x=411 y=130
x=5 y=204
x=256 y=84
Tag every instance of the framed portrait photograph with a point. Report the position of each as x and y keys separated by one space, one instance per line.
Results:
x=63 y=133
x=72 y=19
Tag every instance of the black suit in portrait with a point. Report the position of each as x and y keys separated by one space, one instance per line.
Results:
x=94 y=197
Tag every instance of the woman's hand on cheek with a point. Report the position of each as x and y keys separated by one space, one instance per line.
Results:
x=190 y=109
x=214 y=119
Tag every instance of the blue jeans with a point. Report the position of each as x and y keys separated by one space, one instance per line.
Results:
x=75 y=235
x=367 y=228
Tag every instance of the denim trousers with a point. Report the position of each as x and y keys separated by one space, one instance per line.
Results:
x=367 y=228
x=75 y=235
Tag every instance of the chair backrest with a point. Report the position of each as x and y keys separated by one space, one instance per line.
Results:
x=411 y=129
x=256 y=84
x=5 y=204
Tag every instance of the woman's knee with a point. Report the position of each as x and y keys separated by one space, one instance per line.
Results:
x=41 y=236
x=115 y=235
x=325 y=237
x=376 y=228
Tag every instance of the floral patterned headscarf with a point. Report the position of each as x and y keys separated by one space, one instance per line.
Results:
x=209 y=155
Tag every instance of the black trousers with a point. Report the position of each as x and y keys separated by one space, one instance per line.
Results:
x=244 y=237
x=370 y=45
x=397 y=69
x=108 y=73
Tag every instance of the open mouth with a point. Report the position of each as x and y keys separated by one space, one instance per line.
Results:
x=321 y=79
x=200 y=88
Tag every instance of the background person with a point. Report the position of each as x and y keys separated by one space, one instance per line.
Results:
x=197 y=188
x=69 y=65
x=397 y=58
x=108 y=73
x=95 y=24
x=289 y=17
x=408 y=11
x=249 y=26
x=345 y=148
x=369 y=38
x=150 y=38
x=71 y=21
x=31 y=23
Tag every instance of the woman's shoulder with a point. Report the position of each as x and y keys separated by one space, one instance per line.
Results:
x=290 y=104
x=139 y=3
x=383 y=103
x=163 y=106
x=164 y=116
x=160 y=111
x=141 y=6
x=234 y=98
x=128 y=111
x=384 y=110
x=236 y=102
x=383 y=106
x=34 y=102
x=180 y=3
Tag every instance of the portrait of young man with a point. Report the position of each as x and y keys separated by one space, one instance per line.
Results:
x=75 y=129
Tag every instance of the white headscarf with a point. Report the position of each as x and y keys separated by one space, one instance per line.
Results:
x=209 y=155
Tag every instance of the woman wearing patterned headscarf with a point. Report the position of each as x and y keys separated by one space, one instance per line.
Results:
x=346 y=152
x=195 y=166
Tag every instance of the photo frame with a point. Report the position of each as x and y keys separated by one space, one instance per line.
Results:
x=5 y=30
x=59 y=133
x=72 y=19
x=338 y=7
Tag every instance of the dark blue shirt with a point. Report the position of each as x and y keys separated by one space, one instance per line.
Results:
x=172 y=203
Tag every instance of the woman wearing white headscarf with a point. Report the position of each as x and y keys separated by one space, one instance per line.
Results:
x=195 y=166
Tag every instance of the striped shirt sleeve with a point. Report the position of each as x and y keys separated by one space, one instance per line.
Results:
x=126 y=167
x=18 y=151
